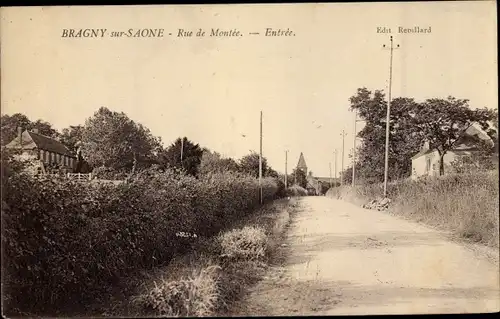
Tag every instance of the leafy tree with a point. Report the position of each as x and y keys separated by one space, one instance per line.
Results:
x=272 y=173
x=10 y=123
x=299 y=178
x=443 y=123
x=72 y=137
x=213 y=162
x=480 y=160
x=404 y=142
x=249 y=164
x=191 y=156
x=112 y=140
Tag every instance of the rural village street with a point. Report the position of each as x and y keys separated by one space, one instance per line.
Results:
x=343 y=259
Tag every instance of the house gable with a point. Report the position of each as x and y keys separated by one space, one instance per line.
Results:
x=27 y=142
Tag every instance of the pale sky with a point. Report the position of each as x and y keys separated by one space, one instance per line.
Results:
x=213 y=89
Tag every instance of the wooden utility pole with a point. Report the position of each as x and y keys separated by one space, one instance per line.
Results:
x=331 y=183
x=182 y=150
x=260 y=161
x=343 y=134
x=335 y=167
x=354 y=148
x=387 y=121
x=286 y=169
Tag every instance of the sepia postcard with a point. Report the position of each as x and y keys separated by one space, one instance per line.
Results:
x=249 y=159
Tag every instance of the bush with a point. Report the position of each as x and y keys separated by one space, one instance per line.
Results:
x=296 y=190
x=109 y=173
x=66 y=242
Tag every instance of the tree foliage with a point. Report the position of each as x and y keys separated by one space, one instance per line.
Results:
x=249 y=164
x=299 y=178
x=10 y=123
x=72 y=137
x=111 y=139
x=440 y=122
x=443 y=123
x=183 y=154
x=213 y=162
x=404 y=140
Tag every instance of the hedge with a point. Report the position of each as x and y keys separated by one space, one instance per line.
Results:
x=65 y=242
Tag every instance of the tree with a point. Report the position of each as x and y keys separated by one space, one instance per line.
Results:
x=10 y=123
x=72 y=137
x=404 y=142
x=300 y=178
x=191 y=156
x=443 y=123
x=112 y=140
x=271 y=173
x=249 y=164
x=213 y=162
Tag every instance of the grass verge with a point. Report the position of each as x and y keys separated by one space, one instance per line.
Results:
x=215 y=274
x=465 y=204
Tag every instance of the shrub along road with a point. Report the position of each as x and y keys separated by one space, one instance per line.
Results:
x=343 y=259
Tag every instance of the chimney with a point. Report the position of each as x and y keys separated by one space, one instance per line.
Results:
x=20 y=136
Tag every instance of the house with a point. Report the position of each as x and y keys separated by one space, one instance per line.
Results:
x=314 y=184
x=42 y=151
x=426 y=162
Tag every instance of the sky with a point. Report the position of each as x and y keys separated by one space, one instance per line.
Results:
x=212 y=90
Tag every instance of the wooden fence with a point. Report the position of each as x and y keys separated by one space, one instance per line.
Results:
x=80 y=176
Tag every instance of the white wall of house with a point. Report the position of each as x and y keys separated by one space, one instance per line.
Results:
x=428 y=164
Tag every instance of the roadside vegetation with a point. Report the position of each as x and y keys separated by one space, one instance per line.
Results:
x=465 y=204
x=76 y=247
x=462 y=199
x=215 y=274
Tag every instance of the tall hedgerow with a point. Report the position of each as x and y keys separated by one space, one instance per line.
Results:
x=65 y=242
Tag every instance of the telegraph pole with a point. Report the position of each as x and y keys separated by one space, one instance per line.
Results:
x=354 y=148
x=182 y=150
x=331 y=183
x=386 y=169
x=335 y=167
x=260 y=161
x=343 y=134
x=286 y=169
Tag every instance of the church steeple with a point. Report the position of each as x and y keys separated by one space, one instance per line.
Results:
x=302 y=163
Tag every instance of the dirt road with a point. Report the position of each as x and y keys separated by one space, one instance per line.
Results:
x=343 y=259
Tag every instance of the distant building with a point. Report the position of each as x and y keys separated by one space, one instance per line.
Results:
x=302 y=164
x=42 y=151
x=314 y=183
x=426 y=162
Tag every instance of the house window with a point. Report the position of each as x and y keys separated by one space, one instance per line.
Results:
x=428 y=165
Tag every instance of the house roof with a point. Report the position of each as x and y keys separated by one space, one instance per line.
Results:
x=41 y=142
x=302 y=162
x=474 y=131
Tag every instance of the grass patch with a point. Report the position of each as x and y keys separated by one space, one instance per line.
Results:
x=217 y=273
x=465 y=204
